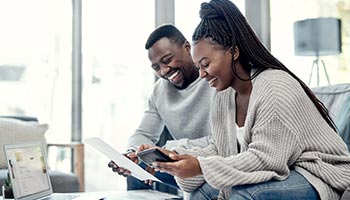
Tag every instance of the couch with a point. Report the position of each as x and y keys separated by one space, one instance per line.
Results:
x=25 y=129
x=336 y=98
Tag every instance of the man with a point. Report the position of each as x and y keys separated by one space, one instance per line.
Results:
x=180 y=101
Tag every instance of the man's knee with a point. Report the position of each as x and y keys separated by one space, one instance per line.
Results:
x=135 y=184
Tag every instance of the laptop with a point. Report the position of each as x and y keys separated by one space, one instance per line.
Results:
x=29 y=172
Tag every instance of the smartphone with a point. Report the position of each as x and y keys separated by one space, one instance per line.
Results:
x=151 y=155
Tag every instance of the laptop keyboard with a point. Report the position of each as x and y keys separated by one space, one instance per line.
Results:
x=61 y=197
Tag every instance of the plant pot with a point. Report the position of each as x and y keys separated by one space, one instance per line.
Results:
x=7 y=192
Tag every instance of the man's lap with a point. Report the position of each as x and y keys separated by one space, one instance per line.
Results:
x=135 y=184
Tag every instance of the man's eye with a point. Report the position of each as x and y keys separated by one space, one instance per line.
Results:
x=156 y=68
x=205 y=65
x=167 y=61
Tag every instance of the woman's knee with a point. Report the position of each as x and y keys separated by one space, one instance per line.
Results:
x=205 y=192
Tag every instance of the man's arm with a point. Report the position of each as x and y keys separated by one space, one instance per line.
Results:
x=150 y=128
x=189 y=143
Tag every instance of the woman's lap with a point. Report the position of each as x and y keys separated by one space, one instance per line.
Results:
x=294 y=187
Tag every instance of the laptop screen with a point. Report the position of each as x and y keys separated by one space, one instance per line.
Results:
x=28 y=170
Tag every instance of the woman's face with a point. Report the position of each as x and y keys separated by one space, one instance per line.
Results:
x=214 y=63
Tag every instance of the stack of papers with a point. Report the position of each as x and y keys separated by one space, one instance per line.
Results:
x=119 y=159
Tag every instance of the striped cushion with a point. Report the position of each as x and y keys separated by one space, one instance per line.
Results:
x=337 y=99
x=17 y=131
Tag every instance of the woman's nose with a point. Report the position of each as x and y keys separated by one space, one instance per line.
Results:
x=164 y=70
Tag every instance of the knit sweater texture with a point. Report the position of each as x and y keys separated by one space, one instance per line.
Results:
x=185 y=113
x=283 y=130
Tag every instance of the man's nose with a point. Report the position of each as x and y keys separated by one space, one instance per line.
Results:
x=203 y=73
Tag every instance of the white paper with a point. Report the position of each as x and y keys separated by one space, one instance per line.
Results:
x=124 y=195
x=144 y=195
x=120 y=159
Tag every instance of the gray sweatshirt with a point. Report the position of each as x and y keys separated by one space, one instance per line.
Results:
x=283 y=130
x=185 y=113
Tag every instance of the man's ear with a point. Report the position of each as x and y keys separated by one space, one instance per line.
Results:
x=235 y=52
x=188 y=47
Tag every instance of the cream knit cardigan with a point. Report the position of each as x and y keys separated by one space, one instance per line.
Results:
x=283 y=130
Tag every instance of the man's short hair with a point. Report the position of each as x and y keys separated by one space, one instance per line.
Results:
x=169 y=31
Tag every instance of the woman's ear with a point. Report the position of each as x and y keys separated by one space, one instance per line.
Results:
x=235 y=52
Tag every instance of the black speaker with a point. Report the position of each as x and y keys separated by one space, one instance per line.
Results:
x=317 y=37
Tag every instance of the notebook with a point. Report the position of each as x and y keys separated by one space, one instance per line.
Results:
x=29 y=173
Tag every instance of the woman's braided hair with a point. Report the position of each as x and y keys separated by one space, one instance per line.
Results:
x=222 y=21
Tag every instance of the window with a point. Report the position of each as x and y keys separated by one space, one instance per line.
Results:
x=117 y=80
x=36 y=72
x=283 y=16
x=187 y=15
x=35 y=62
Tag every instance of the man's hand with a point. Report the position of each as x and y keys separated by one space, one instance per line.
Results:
x=143 y=147
x=149 y=146
x=121 y=171
x=152 y=171
x=149 y=169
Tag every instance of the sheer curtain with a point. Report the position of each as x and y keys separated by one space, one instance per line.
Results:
x=117 y=80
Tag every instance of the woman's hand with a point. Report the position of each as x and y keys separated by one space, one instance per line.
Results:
x=185 y=165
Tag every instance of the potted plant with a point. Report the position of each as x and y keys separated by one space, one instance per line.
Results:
x=7 y=188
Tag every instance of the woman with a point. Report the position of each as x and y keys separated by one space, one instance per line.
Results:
x=287 y=147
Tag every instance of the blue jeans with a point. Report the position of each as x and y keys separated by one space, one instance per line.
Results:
x=135 y=184
x=294 y=187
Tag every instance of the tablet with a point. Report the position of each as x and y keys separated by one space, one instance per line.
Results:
x=149 y=156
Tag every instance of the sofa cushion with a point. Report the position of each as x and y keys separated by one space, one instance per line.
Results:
x=343 y=121
x=14 y=131
x=63 y=182
x=336 y=98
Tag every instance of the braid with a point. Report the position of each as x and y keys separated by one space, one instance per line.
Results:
x=222 y=21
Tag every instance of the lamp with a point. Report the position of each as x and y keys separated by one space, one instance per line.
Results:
x=317 y=37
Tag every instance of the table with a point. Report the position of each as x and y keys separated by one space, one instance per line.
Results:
x=124 y=195
x=138 y=195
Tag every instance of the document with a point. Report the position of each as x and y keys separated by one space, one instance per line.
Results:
x=120 y=159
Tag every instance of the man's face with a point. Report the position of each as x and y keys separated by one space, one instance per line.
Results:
x=173 y=62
